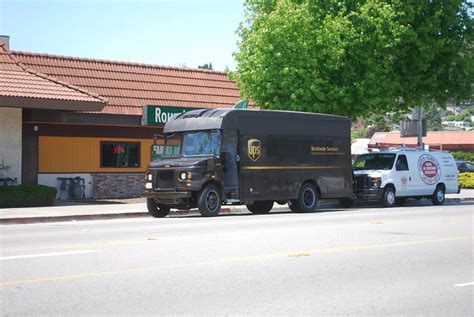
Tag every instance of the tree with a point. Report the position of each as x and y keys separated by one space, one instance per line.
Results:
x=206 y=66
x=432 y=115
x=354 y=57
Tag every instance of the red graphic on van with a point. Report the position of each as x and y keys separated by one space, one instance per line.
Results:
x=429 y=169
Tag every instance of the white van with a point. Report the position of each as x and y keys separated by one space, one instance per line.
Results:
x=393 y=175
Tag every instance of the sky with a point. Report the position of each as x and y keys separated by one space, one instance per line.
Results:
x=182 y=33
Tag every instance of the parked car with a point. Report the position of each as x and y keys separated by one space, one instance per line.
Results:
x=391 y=176
x=465 y=166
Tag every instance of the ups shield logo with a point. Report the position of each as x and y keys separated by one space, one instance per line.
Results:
x=254 y=149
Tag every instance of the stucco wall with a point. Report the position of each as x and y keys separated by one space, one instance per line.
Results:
x=10 y=143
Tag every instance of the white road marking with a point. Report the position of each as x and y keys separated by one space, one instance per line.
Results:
x=39 y=255
x=464 y=284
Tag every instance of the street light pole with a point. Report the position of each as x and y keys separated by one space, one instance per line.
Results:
x=419 y=112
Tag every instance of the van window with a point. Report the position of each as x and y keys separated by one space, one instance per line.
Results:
x=379 y=161
x=402 y=164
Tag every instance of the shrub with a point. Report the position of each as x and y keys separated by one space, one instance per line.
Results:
x=466 y=180
x=464 y=156
x=27 y=196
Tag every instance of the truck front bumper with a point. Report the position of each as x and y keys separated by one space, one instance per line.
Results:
x=370 y=194
x=168 y=197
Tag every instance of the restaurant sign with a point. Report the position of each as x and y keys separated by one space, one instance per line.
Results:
x=159 y=115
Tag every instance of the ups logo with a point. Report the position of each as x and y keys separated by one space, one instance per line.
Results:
x=254 y=149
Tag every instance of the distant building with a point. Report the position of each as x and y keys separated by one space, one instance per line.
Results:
x=441 y=140
x=456 y=125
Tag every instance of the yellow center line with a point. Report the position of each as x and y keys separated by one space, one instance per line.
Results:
x=240 y=259
x=152 y=239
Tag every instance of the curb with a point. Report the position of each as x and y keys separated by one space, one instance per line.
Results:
x=193 y=212
x=29 y=220
x=42 y=219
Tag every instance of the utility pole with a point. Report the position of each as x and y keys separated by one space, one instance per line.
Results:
x=419 y=112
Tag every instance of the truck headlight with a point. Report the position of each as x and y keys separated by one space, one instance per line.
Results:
x=149 y=177
x=376 y=182
x=185 y=175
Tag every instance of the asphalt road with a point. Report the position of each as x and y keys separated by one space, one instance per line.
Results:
x=363 y=261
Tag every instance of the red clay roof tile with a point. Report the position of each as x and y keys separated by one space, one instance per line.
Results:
x=19 y=81
x=435 y=139
x=129 y=86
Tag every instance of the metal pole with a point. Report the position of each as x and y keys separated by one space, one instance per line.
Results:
x=419 y=111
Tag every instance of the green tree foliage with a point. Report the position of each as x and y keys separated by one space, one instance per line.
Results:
x=465 y=156
x=463 y=116
x=432 y=115
x=354 y=57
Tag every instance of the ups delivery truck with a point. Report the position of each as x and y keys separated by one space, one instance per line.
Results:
x=251 y=157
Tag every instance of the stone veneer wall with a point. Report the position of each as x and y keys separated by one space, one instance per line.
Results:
x=118 y=185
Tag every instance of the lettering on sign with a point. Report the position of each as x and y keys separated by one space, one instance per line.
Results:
x=429 y=169
x=163 y=117
x=159 y=115
x=325 y=150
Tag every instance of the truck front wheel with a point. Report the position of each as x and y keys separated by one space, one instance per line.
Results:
x=260 y=207
x=209 y=201
x=389 y=197
x=155 y=209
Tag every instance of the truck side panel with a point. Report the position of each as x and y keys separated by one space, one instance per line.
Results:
x=274 y=165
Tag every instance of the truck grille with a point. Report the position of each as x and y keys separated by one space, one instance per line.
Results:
x=165 y=179
x=361 y=181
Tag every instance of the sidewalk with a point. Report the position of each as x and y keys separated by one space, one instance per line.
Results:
x=74 y=211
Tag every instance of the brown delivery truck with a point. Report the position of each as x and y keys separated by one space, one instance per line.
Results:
x=251 y=157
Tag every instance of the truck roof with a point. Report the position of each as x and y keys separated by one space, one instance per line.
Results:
x=209 y=119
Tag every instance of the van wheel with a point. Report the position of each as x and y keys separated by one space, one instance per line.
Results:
x=307 y=199
x=346 y=202
x=389 y=198
x=209 y=201
x=260 y=207
x=155 y=209
x=438 y=195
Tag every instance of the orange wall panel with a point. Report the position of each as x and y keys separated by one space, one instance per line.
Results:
x=82 y=154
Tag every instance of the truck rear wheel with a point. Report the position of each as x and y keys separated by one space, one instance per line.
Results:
x=438 y=195
x=209 y=201
x=260 y=207
x=307 y=199
x=157 y=210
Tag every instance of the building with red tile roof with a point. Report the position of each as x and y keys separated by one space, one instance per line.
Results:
x=25 y=87
x=129 y=86
x=87 y=118
x=441 y=140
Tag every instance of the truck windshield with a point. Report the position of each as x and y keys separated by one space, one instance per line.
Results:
x=374 y=162
x=200 y=143
x=203 y=143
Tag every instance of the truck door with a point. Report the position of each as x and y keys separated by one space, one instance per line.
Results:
x=231 y=171
x=403 y=179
